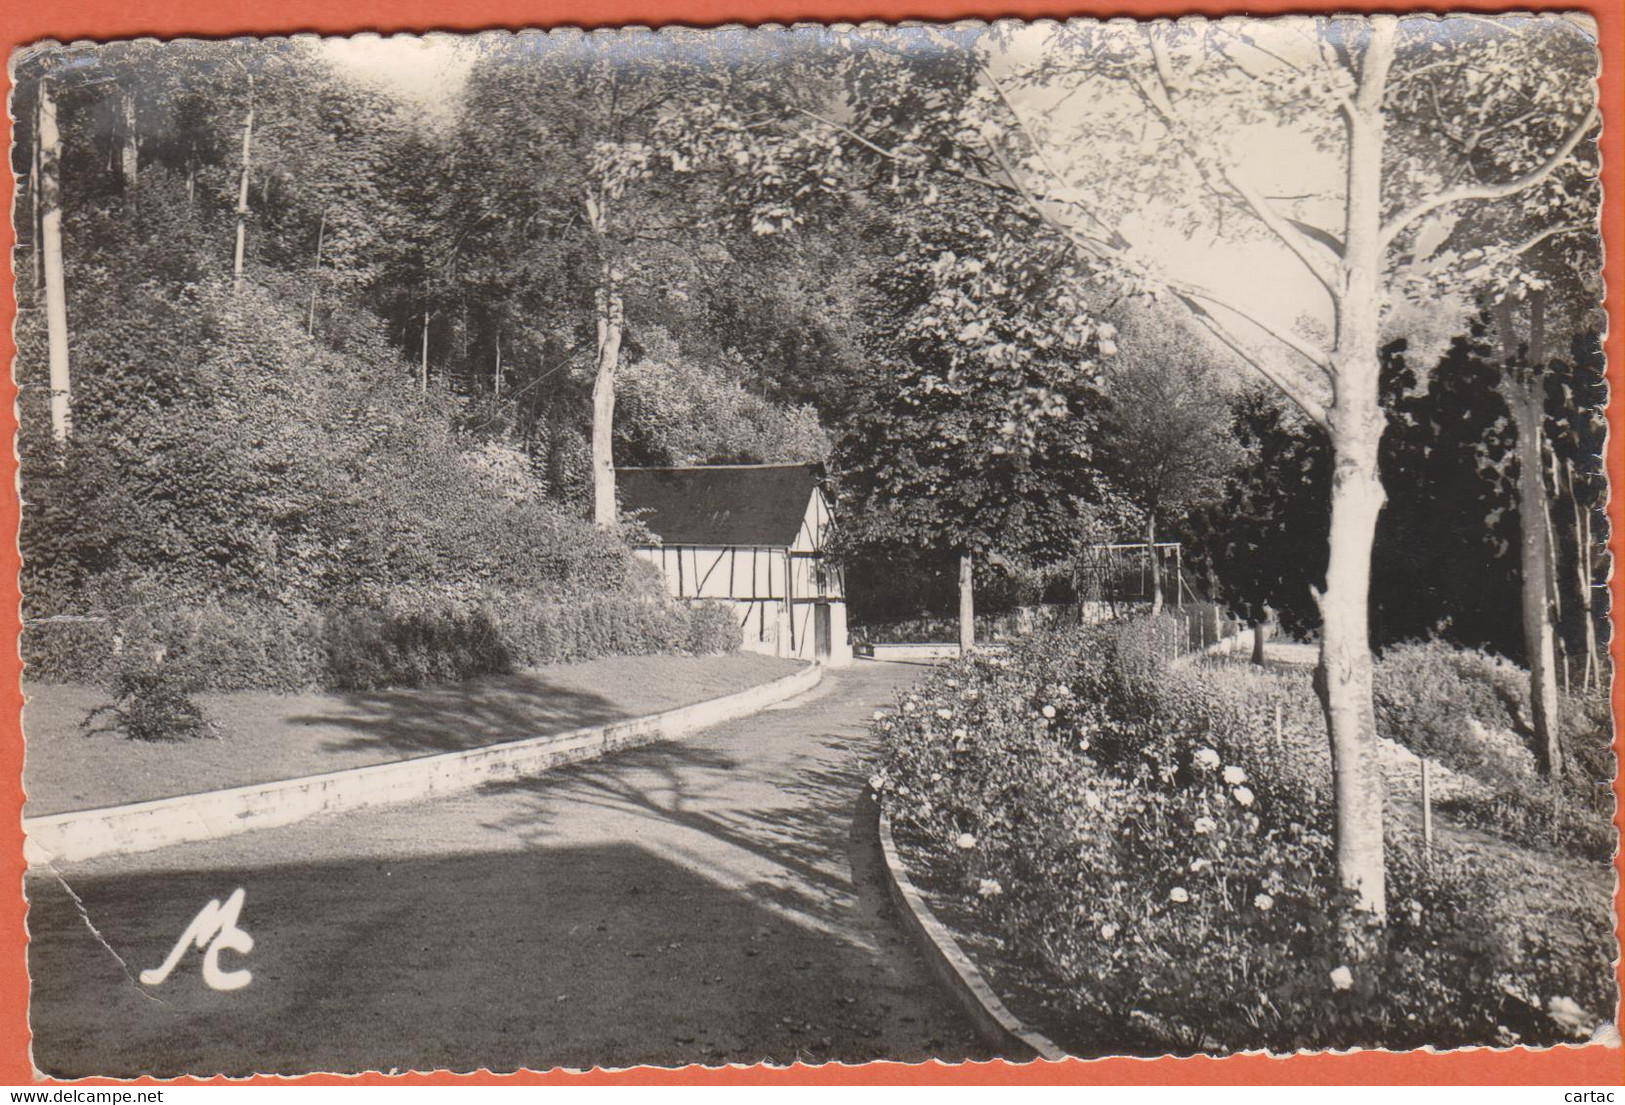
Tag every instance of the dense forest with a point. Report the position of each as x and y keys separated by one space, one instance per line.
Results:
x=309 y=371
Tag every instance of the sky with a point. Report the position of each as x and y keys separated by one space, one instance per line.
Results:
x=1255 y=271
x=427 y=72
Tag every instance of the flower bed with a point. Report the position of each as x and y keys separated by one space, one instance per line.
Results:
x=1155 y=860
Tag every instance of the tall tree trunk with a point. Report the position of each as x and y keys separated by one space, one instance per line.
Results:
x=610 y=325
x=36 y=181
x=967 y=602
x=1520 y=387
x=315 y=273
x=1548 y=492
x=1355 y=423
x=129 y=140
x=1583 y=578
x=242 y=199
x=1344 y=676
x=1259 y=629
x=1156 y=565
x=611 y=313
x=56 y=296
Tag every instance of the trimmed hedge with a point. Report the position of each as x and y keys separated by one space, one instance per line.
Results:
x=405 y=639
x=215 y=647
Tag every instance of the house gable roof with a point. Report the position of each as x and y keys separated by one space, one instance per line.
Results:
x=724 y=504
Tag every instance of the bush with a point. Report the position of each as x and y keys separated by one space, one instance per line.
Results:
x=64 y=650
x=713 y=630
x=1470 y=711
x=1448 y=704
x=405 y=637
x=151 y=703
x=1135 y=833
x=217 y=646
x=556 y=633
x=403 y=646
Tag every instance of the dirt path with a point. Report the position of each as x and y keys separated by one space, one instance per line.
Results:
x=709 y=901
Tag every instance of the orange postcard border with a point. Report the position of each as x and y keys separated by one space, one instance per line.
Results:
x=66 y=20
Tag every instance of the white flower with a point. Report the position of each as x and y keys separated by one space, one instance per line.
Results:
x=1048 y=710
x=877 y=782
x=1264 y=902
x=990 y=888
x=1235 y=776
x=936 y=776
x=1206 y=757
x=966 y=841
x=1179 y=894
x=908 y=707
x=1108 y=930
x=1342 y=978
x=1205 y=825
x=1201 y=863
x=881 y=715
x=945 y=714
x=1243 y=795
x=904 y=792
x=1092 y=800
x=960 y=734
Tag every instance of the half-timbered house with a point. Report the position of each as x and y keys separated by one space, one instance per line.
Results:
x=753 y=536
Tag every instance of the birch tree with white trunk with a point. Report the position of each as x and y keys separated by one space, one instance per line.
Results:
x=49 y=190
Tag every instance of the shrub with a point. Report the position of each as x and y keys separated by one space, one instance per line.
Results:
x=1469 y=711
x=606 y=625
x=375 y=638
x=712 y=629
x=151 y=703
x=223 y=646
x=410 y=643
x=1447 y=703
x=1136 y=833
x=218 y=646
x=60 y=650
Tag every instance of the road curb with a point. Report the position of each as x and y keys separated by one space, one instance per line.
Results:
x=143 y=826
x=948 y=963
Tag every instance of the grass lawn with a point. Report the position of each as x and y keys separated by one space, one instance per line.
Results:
x=266 y=736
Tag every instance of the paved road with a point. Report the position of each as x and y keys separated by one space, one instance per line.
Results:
x=712 y=901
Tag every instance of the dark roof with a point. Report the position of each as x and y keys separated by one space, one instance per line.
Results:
x=724 y=504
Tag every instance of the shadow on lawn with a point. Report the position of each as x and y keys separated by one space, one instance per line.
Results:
x=424 y=720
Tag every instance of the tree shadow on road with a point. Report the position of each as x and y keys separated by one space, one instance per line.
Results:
x=490 y=710
x=786 y=822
